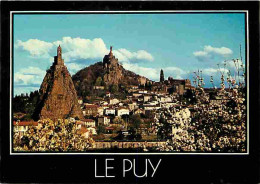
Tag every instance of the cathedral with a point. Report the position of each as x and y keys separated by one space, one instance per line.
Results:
x=171 y=85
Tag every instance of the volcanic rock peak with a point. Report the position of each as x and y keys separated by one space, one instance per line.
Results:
x=58 y=97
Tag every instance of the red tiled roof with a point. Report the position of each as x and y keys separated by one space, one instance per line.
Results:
x=120 y=108
x=91 y=106
x=79 y=122
x=25 y=123
x=89 y=120
x=82 y=130
x=109 y=128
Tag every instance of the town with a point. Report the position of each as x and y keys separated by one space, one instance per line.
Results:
x=170 y=115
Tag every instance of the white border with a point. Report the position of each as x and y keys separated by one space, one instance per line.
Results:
x=122 y=12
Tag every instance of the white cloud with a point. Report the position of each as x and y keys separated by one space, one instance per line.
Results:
x=35 y=47
x=154 y=73
x=175 y=72
x=80 y=48
x=224 y=51
x=29 y=76
x=125 y=55
x=200 y=53
x=233 y=65
x=214 y=71
x=209 y=52
x=32 y=71
x=150 y=73
x=73 y=67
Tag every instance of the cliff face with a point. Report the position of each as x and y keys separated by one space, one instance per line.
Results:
x=58 y=97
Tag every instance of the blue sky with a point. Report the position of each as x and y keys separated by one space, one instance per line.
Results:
x=143 y=43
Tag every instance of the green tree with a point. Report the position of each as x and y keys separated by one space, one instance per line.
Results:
x=27 y=117
x=100 y=129
x=135 y=121
x=189 y=96
x=113 y=88
x=98 y=81
x=118 y=120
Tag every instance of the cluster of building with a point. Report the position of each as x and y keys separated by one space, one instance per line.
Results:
x=138 y=101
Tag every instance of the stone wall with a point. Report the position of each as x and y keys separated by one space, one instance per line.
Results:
x=125 y=145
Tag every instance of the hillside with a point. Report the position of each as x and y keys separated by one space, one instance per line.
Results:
x=109 y=74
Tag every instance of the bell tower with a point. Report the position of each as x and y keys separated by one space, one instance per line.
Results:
x=60 y=61
x=161 y=76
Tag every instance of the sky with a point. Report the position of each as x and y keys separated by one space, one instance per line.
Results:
x=143 y=43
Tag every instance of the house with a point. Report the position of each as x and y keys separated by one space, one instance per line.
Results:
x=86 y=123
x=142 y=91
x=110 y=111
x=23 y=126
x=136 y=94
x=100 y=111
x=114 y=101
x=90 y=123
x=165 y=99
x=132 y=106
x=104 y=120
x=91 y=109
x=99 y=87
x=147 y=98
x=122 y=111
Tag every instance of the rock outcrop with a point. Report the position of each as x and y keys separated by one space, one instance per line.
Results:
x=114 y=71
x=110 y=71
x=58 y=97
